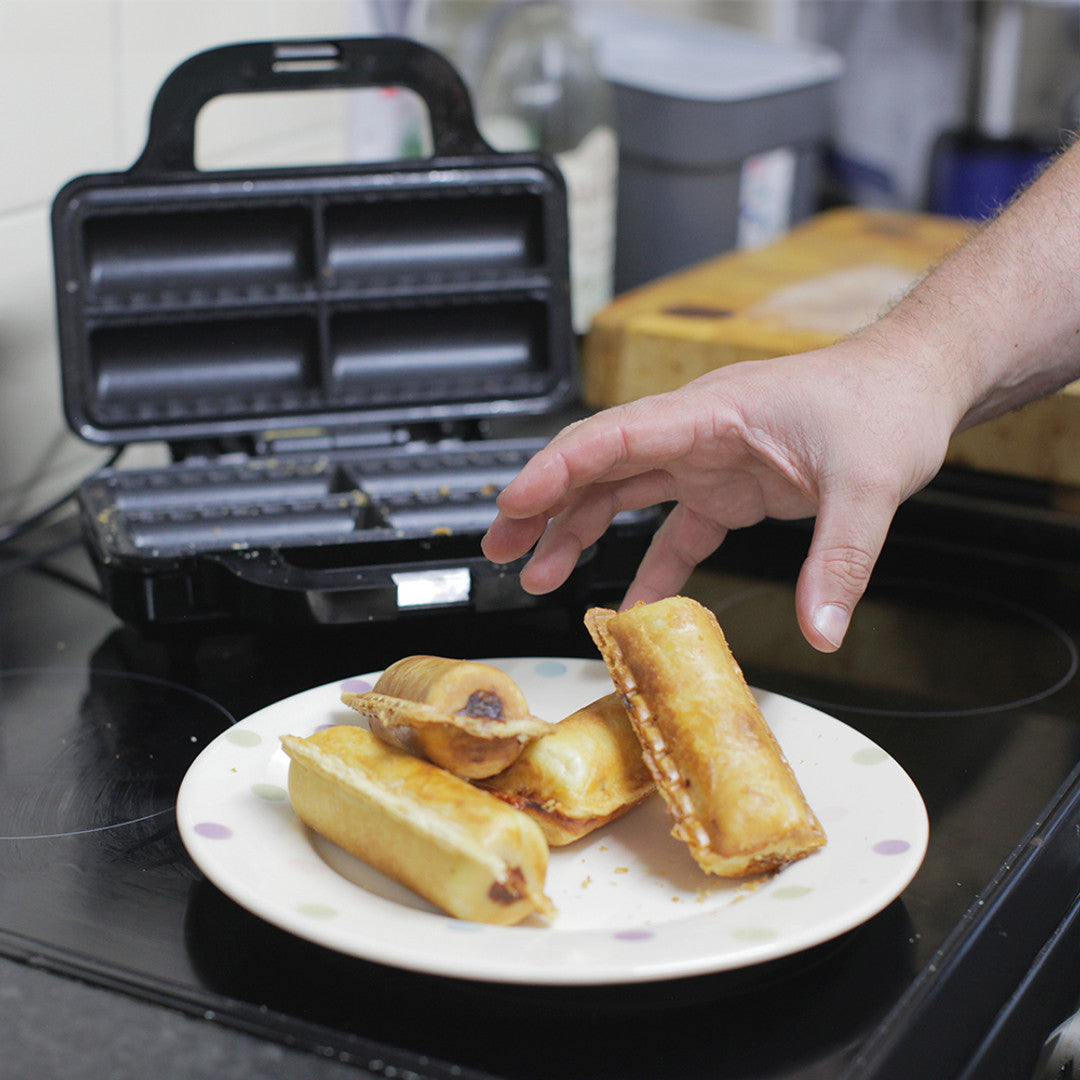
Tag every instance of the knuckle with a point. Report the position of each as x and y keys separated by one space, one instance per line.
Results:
x=850 y=566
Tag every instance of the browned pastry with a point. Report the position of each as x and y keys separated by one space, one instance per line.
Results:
x=586 y=772
x=459 y=847
x=470 y=718
x=734 y=798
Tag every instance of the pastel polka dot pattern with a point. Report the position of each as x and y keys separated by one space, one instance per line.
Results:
x=317 y=911
x=616 y=917
x=891 y=847
x=753 y=934
x=791 y=892
x=457 y=926
x=550 y=669
x=213 y=830
x=870 y=755
x=357 y=686
x=242 y=737
x=269 y=792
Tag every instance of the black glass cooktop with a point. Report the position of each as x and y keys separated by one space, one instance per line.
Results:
x=962 y=664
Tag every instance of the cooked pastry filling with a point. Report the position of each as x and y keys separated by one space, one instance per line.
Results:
x=511 y=889
x=484 y=703
x=464 y=716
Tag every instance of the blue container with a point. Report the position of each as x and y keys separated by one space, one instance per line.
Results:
x=973 y=175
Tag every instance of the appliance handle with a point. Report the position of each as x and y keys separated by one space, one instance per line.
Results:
x=340 y=64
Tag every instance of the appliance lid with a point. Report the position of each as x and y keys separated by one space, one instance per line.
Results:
x=206 y=305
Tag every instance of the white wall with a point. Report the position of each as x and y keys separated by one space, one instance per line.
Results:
x=77 y=78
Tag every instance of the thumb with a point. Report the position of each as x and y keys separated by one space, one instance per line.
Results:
x=845 y=547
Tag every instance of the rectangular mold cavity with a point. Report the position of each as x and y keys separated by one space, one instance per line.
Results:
x=219 y=530
x=475 y=471
x=230 y=493
x=235 y=489
x=435 y=235
x=448 y=517
x=438 y=352
x=183 y=251
x=442 y=481
x=220 y=358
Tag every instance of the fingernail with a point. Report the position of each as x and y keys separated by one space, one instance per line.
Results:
x=831 y=621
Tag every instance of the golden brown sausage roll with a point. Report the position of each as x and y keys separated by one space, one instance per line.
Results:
x=586 y=772
x=733 y=796
x=459 y=847
x=470 y=718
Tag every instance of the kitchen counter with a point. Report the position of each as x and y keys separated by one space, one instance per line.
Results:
x=961 y=663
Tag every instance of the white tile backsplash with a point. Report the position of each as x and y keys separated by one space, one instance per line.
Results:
x=77 y=78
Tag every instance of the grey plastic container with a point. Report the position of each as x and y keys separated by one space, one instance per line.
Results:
x=695 y=102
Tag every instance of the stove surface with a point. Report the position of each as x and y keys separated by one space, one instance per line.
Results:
x=962 y=666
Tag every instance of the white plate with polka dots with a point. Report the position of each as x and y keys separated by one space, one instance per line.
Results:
x=632 y=905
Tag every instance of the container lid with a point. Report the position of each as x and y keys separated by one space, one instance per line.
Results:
x=198 y=306
x=699 y=61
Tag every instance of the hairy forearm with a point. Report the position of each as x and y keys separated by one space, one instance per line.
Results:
x=997 y=323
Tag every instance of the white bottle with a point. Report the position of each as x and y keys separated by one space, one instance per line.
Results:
x=541 y=90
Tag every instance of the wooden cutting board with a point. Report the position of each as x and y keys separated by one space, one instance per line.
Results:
x=823 y=280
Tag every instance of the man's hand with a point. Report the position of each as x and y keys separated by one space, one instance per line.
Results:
x=834 y=433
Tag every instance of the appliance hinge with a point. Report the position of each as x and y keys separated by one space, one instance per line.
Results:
x=320 y=440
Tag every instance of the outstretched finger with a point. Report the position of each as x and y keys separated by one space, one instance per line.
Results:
x=612 y=445
x=583 y=522
x=683 y=540
x=845 y=548
x=508 y=538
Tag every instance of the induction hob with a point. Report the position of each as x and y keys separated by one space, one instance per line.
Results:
x=961 y=663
